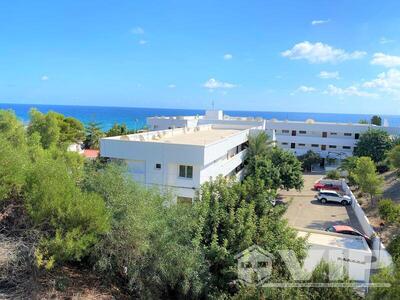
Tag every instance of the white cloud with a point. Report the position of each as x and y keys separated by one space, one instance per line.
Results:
x=137 y=30
x=328 y=75
x=388 y=61
x=44 y=78
x=320 y=53
x=319 y=22
x=384 y=40
x=215 y=84
x=306 y=89
x=171 y=86
x=349 y=91
x=142 y=42
x=228 y=56
x=388 y=82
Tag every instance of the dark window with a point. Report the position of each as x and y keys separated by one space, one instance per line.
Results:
x=182 y=171
x=302 y=145
x=284 y=143
x=323 y=147
x=292 y=145
x=333 y=133
x=158 y=166
x=285 y=131
x=347 y=134
x=324 y=134
x=185 y=171
x=346 y=147
x=293 y=132
x=314 y=145
x=356 y=136
x=332 y=146
x=302 y=132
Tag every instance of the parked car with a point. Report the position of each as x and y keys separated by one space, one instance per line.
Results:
x=345 y=229
x=326 y=186
x=333 y=196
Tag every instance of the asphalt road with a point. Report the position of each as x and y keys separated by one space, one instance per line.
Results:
x=305 y=211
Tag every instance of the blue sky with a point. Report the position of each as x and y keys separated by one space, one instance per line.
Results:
x=310 y=56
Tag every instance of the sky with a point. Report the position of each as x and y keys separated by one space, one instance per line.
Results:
x=302 y=55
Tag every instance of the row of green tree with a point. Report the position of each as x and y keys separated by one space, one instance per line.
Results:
x=57 y=130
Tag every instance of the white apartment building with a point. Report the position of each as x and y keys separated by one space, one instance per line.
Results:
x=180 y=153
x=179 y=160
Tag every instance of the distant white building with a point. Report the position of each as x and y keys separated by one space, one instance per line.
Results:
x=180 y=153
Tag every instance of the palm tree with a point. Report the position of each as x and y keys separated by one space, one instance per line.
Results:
x=259 y=144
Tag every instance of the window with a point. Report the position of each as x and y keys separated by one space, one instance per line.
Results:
x=158 y=166
x=323 y=147
x=332 y=146
x=302 y=132
x=356 y=136
x=347 y=134
x=333 y=133
x=347 y=147
x=302 y=145
x=184 y=200
x=284 y=144
x=324 y=134
x=315 y=145
x=293 y=145
x=185 y=171
x=285 y=131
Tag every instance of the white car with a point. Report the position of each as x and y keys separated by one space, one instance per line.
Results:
x=332 y=196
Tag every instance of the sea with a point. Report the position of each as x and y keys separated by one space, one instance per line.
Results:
x=135 y=117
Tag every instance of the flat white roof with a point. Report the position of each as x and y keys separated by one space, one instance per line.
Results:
x=342 y=241
x=201 y=135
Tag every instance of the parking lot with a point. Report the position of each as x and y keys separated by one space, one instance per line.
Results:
x=307 y=212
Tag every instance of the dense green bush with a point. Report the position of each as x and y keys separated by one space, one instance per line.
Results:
x=373 y=143
x=388 y=210
x=333 y=174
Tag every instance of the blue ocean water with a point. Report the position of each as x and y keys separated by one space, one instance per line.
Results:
x=135 y=117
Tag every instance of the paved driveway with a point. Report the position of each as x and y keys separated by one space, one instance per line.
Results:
x=306 y=212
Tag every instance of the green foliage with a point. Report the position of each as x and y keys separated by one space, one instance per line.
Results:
x=150 y=240
x=385 y=276
x=394 y=157
x=394 y=248
x=366 y=177
x=55 y=129
x=333 y=174
x=119 y=129
x=93 y=135
x=71 y=220
x=388 y=210
x=276 y=167
x=11 y=128
x=374 y=143
x=376 y=120
x=309 y=159
x=348 y=165
x=363 y=121
x=230 y=223
x=13 y=165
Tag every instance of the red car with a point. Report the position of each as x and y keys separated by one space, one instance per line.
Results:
x=345 y=229
x=326 y=186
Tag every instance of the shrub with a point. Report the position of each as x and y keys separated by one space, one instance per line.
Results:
x=382 y=167
x=388 y=210
x=333 y=174
x=394 y=248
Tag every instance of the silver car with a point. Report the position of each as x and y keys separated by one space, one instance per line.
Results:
x=332 y=196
